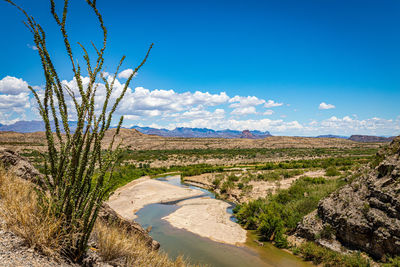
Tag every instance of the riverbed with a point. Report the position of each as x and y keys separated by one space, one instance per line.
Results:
x=200 y=250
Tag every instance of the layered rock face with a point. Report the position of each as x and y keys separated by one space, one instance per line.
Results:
x=364 y=214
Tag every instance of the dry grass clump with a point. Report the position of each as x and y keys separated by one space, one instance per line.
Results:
x=23 y=216
x=116 y=244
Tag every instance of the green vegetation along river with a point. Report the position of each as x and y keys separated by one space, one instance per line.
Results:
x=203 y=250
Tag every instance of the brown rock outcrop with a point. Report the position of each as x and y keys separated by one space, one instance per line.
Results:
x=365 y=214
x=19 y=165
x=247 y=134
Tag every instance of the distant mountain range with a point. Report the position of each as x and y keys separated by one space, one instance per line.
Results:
x=202 y=133
x=37 y=126
x=332 y=136
x=32 y=126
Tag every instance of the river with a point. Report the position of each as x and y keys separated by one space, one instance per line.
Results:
x=200 y=250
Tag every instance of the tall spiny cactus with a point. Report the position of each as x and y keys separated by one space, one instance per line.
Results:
x=77 y=171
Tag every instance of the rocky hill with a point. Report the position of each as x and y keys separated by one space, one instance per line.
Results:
x=364 y=214
x=370 y=138
x=247 y=134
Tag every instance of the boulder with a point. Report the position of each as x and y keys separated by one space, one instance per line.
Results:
x=19 y=165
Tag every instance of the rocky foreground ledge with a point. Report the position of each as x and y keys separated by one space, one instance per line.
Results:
x=14 y=252
x=364 y=214
x=12 y=248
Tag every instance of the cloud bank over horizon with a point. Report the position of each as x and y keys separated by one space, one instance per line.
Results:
x=160 y=108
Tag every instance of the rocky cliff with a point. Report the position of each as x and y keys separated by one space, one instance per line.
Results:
x=247 y=134
x=364 y=214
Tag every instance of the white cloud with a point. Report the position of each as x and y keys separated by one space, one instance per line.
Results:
x=348 y=126
x=131 y=117
x=271 y=103
x=200 y=112
x=125 y=74
x=151 y=103
x=33 y=47
x=268 y=112
x=14 y=103
x=13 y=86
x=7 y=121
x=242 y=101
x=324 y=105
x=167 y=101
x=244 y=111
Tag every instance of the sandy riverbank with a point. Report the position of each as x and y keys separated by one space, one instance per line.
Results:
x=127 y=200
x=208 y=218
x=203 y=216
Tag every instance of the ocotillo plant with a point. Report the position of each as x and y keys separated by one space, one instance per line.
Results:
x=77 y=171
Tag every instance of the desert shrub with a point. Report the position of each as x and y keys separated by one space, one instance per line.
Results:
x=280 y=240
x=269 y=176
x=392 y=262
x=327 y=232
x=288 y=174
x=365 y=208
x=226 y=186
x=247 y=188
x=277 y=214
x=267 y=166
x=270 y=223
x=233 y=178
x=320 y=255
x=247 y=213
x=216 y=182
x=332 y=171
x=315 y=180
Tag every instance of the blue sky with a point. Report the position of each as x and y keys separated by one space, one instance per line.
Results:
x=328 y=66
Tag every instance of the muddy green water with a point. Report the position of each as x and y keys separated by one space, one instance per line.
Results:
x=201 y=250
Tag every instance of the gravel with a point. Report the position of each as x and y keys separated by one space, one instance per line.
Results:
x=14 y=252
